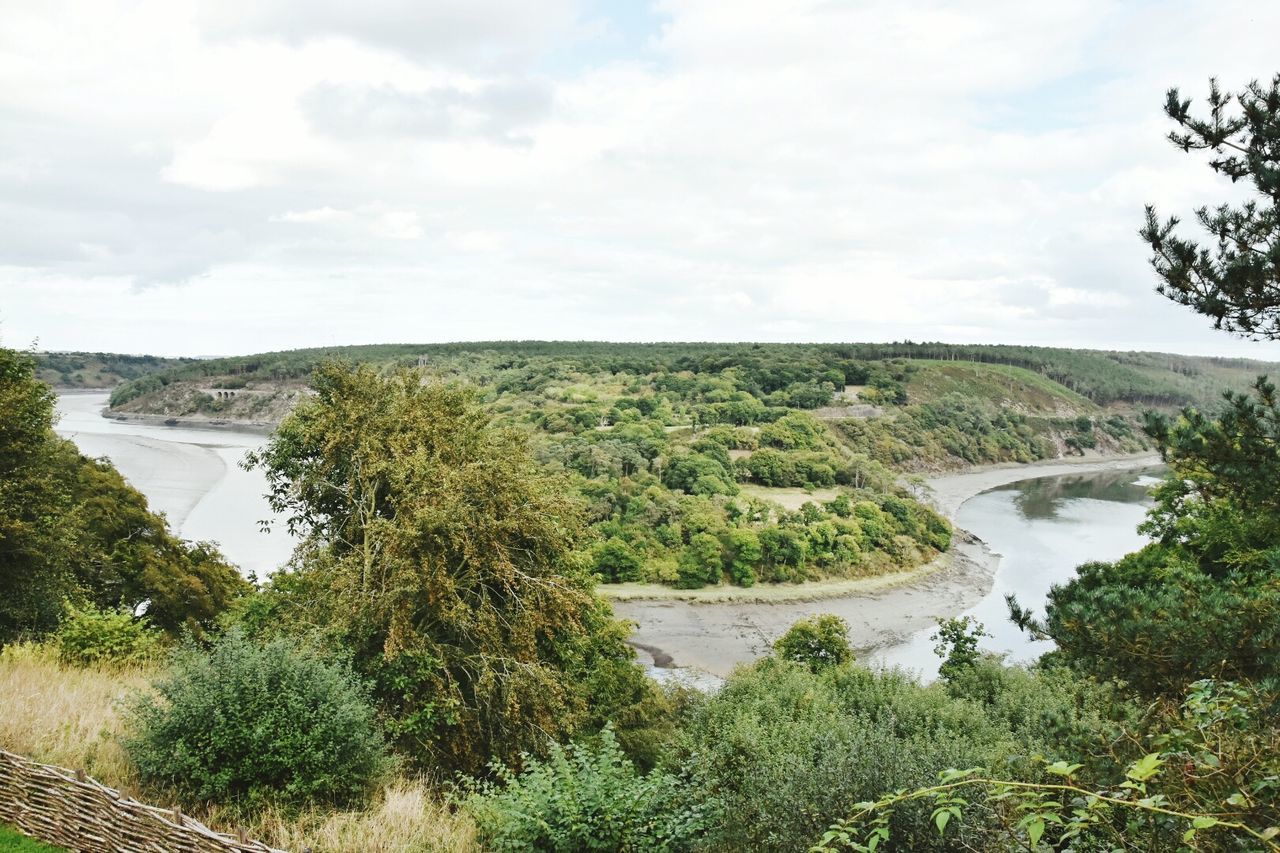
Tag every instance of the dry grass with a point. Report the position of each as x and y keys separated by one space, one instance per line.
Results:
x=66 y=715
x=408 y=815
x=72 y=717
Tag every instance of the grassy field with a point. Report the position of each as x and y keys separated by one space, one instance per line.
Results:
x=12 y=841
x=73 y=717
x=998 y=383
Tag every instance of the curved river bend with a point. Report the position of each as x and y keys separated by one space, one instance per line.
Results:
x=1041 y=528
x=193 y=476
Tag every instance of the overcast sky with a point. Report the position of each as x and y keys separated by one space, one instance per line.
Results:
x=232 y=176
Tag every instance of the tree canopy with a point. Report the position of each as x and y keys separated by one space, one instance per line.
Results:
x=72 y=530
x=1235 y=278
x=441 y=557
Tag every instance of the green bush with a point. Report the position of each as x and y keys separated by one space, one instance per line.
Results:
x=247 y=723
x=88 y=636
x=785 y=751
x=587 y=798
x=817 y=643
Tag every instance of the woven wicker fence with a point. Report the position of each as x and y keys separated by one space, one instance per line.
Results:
x=66 y=808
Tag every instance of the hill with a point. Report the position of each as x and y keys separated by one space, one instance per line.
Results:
x=66 y=370
x=1039 y=380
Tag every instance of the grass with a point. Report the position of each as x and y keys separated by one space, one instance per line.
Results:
x=73 y=717
x=999 y=383
x=65 y=715
x=789 y=498
x=12 y=841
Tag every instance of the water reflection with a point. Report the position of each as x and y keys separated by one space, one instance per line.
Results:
x=1041 y=529
x=1045 y=498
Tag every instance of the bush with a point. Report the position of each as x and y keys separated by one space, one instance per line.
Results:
x=254 y=724
x=785 y=751
x=586 y=798
x=817 y=643
x=88 y=636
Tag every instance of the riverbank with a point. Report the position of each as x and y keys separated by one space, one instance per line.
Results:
x=216 y=424
x=715 y=629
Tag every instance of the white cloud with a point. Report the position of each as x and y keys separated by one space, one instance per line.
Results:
x=756 y=170
x=318 y=214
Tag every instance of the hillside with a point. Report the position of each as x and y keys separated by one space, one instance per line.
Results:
x=95 y=370
x=826 y=377
x=699 y=463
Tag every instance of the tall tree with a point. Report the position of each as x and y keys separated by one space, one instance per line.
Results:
x=72 y=529
x=440 y=554
x=1235 y=278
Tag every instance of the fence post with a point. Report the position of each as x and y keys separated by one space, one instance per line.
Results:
x=80 y=776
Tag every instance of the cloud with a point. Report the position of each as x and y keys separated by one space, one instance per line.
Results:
x=499 y=112
x=483 y=33
x=419 y=171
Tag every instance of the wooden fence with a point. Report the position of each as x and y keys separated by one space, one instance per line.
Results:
x=67 y=809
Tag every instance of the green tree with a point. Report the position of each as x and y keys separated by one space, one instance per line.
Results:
x=817 y=643
x=744 y=553
x=1235 y=279
x=957 y=645
x=72 y=529
x=616 y=562
x=447 y=562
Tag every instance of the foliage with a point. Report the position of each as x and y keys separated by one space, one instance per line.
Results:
x=1220 y=503
x=587 y=797
x=254 y=723
x=1221 y=793
x=816 y=643
x=957 y=644
x=1157 y=621
x=88 y=636
x=1236 y=279
x=440 y=556
x=72 y=529
x=785 y=749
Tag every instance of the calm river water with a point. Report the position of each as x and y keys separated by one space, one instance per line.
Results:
x=193 y=476
x=1042 y=529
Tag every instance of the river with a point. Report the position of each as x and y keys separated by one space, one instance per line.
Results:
x=1041 y=529
x=192 y=476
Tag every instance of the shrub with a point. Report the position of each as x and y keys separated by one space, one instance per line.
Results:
x=785 y=751
x=817 y=643
x=586 y=798
x=252 y=723
x=957 y=644
x=88 y=636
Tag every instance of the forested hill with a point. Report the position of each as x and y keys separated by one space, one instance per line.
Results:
x=1108 y=379
x=99 y=369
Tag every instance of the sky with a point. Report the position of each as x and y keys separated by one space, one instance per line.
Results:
x=183 y=177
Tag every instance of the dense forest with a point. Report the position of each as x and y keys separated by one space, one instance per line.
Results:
x=1104 y=378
